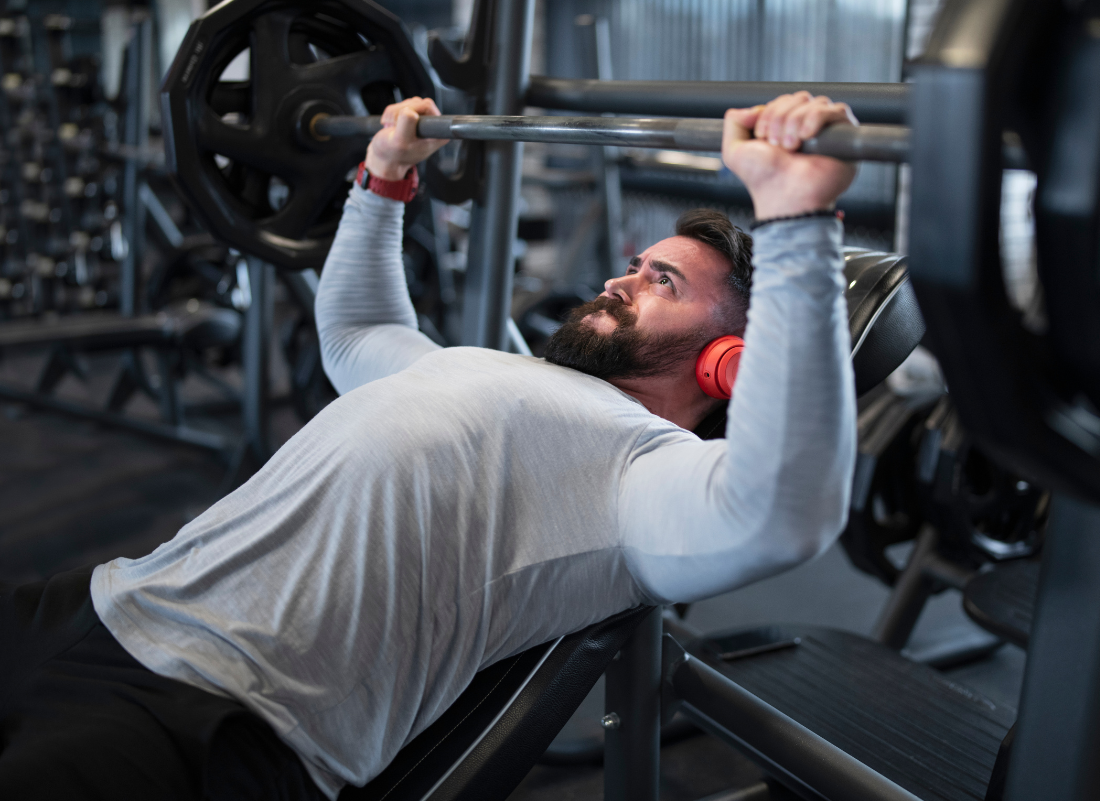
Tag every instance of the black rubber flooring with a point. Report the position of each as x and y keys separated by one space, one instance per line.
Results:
x=73 y=493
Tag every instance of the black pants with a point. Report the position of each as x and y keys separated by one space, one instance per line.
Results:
x=82 y=719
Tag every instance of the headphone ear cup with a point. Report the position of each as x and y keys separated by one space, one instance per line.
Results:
x=716 y=368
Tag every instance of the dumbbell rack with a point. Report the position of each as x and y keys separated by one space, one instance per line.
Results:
x=74 y=207
x=57 y=205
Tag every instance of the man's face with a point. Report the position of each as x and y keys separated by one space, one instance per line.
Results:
x=651 y=320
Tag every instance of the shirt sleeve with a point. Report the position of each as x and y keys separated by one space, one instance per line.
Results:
x=365 y=318
x=701 y=518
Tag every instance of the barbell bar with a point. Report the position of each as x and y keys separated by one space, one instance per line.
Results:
x=850 y=142
x=884 y=143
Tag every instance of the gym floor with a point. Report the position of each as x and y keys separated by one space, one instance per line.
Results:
x=74 y=493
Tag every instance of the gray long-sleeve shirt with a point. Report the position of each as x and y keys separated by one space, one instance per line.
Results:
x=456 y=506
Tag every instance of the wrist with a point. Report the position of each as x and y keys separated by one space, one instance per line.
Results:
x=768 y=208
x=386 y=170
x=832 y=214
x=403 y=190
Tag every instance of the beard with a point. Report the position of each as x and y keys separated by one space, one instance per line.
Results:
x=626 y=352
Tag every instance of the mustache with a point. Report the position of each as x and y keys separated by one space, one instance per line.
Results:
x=614 y=306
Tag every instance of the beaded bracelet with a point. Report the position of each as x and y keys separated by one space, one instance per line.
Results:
x=835 y=213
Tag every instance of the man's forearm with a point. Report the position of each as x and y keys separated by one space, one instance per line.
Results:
x=795 y=398
x=365 y=319
x=363 y=283
x=775 y=491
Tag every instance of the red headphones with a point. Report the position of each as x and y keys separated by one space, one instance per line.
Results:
x=716 y=367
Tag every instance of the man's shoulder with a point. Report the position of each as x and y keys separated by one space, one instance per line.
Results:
x=513 y=375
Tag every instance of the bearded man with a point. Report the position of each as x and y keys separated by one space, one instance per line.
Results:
x=456 y=505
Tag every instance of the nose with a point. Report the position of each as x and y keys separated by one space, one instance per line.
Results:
x=619 y=287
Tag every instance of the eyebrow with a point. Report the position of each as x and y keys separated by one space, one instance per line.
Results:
x=661 y=267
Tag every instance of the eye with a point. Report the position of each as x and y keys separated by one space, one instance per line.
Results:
x=665 y=280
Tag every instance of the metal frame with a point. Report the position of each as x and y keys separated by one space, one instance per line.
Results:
x=495 y=215
x=807 y=763
x=632 y=703
x=1054 y=753
x=871 y=102
x=139 y=68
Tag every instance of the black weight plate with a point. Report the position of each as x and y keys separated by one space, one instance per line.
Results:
x=236 y=149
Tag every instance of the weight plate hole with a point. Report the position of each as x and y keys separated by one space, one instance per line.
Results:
x=277 y=192
x=240 y=68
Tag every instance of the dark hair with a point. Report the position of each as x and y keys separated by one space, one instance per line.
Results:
x=714 y=228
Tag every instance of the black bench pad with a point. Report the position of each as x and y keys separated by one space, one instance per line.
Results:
x=883 y=316
x=1002 y=600
x=907 y=721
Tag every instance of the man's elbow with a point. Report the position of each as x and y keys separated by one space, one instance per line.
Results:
x=812 y=514
x=823 y=523
x=824 y=534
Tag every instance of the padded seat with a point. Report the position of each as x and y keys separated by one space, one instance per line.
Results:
x=192 y=324
x=910 y=723
x=1002 y=600
x=488 y=740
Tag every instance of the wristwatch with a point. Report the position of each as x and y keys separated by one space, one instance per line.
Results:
x=403 y=190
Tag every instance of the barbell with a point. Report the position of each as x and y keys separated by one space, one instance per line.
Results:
x=266 y=162
x=851 y=142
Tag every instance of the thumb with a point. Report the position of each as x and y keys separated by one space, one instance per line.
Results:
x=739 y=123
x=737 y=127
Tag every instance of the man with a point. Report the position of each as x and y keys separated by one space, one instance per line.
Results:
x=460 y=505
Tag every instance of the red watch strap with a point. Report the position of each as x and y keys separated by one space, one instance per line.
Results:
x=403 y=190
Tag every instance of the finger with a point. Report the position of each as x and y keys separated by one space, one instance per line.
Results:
x=393 y=111
x=794 y=125
x=424 y=106
x=406 y=125
x=781 y=109
x=819 y=117
x=774 y=108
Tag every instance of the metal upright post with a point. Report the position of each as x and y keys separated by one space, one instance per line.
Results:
x=611 y=189
x=1058 y=730
x=632 y=702
x=489 y=266
x=254 y=353
x=139 y=58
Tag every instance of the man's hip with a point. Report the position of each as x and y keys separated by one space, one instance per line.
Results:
x=81 y=718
